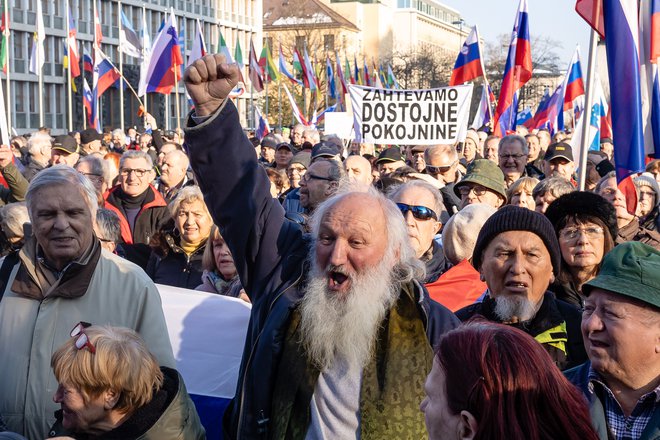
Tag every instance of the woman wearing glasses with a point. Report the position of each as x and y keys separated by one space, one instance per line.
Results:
x=585 y=224
x=110 y=386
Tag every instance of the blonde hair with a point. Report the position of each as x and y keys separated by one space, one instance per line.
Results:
x=208 y=259
x=121 y=363
x=526 y=184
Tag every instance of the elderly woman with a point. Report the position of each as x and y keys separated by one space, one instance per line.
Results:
x=649 y=198
x=520 y=193
x=586 y=227
x=111 y=387
x=548 y=190
x=176 y=257
x=491 y=381
x=220 y=274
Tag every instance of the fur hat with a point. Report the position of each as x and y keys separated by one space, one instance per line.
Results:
x=583 y=203
x=460 y=233
x=515 y=218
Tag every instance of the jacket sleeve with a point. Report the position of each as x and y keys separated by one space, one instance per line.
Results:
x=18 y=184
x=237 y=192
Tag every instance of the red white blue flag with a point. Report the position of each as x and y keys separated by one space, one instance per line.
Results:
x=165 y=59
x=517 y=71
x=574 y=85
x=468 y=64
x=198 y=49
x=89 y=100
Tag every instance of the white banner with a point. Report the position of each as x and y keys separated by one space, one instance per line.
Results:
x=410 y=117
x=207 y=333
x=339 y=123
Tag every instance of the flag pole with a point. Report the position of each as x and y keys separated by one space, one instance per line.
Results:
x=121 y=70
x=586 y=114
x=167 y=112
x=69 y=79
x=176 y=95
x=279 y=101
x=144 y=50
x=8 y=83
x=82 y=73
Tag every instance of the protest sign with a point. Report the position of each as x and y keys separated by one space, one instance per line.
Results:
x=339 y=123
x=410 y=117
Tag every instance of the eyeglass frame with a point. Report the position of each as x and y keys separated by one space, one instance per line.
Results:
x=440 y=169
x=571 y=233
x=465 y=190
x=139 y=172
x=78 y=333
x=309 y=176
x=416 y=211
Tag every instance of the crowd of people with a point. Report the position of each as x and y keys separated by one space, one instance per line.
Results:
x=447 y=291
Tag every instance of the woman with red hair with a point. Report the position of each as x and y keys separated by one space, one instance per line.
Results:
x=493 y=381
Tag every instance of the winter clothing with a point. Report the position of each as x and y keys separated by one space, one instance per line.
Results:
x=460 y=233
x=17 y=185
x=212 y=282
x=583 y=203
x=169 y=264
x=170 y=415
x=36 y=318
x=515 y=218
x=485 y=173
x=269 y=252
x=556 y=326
x=458 y=287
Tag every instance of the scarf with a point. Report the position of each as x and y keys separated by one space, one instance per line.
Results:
x=392 y=382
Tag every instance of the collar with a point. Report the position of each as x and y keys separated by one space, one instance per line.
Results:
x=596 y=379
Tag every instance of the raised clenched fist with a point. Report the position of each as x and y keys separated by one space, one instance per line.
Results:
x=209 y=80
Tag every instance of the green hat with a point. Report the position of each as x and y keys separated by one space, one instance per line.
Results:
x=631 y=269
x=485 y=173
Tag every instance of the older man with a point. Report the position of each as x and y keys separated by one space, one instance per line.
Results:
x=424 y=211
x=442 y=164
x=621 y=329
x=90 y=141
x=389 y=160
x=358 y=169
x=173 y=175
x=296 y=136
x=558 y=161
x=39 y=146
x=309 y=368
x=518 y=256
x=483 y=183
x=512 y=153
x=64 y=151
x=140 y=207
x=59 y=278
x=491 y=148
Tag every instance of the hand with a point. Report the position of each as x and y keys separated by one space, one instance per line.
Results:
x=595 y=158
x=6 y=156
x=209 y=81
x=150 y=120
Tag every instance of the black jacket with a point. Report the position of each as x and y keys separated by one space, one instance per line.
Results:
x=550 y=315
x=168 y=263
x=269 y=252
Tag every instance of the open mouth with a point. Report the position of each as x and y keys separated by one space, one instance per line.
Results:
x=337 y=280
x=516 y=285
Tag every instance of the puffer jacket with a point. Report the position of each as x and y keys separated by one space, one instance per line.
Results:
x=168 y=264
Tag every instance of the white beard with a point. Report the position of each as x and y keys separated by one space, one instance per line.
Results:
x=512 y=308
x=345 y=327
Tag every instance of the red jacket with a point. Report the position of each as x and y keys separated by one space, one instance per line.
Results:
x=460 y=286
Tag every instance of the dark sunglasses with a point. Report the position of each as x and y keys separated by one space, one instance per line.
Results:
x=419 y=212
x=439 y=170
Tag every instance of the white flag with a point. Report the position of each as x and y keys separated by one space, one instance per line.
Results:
x=37 y=57
x=146 y=56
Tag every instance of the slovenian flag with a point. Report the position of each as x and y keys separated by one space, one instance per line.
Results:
x=468 y=64
x=517 y=71
x=165 y=59
x=574 y=85
x=89 y=100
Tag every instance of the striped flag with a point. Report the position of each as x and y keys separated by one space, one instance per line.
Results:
x=98 y=32
x=541 y=114
x=105 y=74
x=484 y=111
x=468 y=64
x=574 y=86
x=348 y=71
x=73 y=56
x=517 y=71
x=129 y=41
x=89 y=100
x=391 y=79
x=88 y=63
x=198 y=49
x=254 y=69
x=294 y=108
x=332 y=88
x=285 y=71
x=308 y=71
x=340 y=74
x=165 y=59
x=268 y=65
x=224 y=49
x=4 y=29
x=358 y=78
x=261 y=124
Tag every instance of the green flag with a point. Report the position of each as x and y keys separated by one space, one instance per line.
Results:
x=223 y=49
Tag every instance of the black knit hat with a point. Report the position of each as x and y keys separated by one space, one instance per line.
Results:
x=515 y=218
x=583 y=203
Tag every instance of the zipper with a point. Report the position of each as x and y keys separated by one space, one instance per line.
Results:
x=247 y=364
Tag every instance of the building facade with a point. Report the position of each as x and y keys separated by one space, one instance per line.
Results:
x=238 y=20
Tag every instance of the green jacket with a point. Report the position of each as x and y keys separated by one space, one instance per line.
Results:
x=17 y=185
x=170 y=415
x=579 y=376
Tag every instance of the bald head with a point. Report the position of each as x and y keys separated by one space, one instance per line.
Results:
x=358 y=169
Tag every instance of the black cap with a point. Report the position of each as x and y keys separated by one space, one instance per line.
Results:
x=269 y=141
x=89 y=135
x=392 y=154
x=284 y=145
x=325 y=149
x=559 y=149
x=65 y=143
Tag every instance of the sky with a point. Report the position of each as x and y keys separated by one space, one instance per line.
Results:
x=548 y=18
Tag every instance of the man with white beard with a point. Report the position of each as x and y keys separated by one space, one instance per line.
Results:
x=341 y=337
x=518 y=256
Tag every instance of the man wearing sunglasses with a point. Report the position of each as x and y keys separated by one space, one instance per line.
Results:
x=442 y=164
x=324 y=302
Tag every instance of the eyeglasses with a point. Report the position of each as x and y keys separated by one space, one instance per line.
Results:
x=439 y=170
x=419 y=212
x=512 y=156
x=137 y=171
x=568 y=234
x=309 y=176
x=82 y=341
x=478 y=190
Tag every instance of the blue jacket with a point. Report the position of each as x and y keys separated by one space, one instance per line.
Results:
x=269 y=252
x=579 y=376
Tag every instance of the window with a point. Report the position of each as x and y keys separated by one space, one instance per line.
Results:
x=329 y=42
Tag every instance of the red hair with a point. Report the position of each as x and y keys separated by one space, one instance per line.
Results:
x=509 y=383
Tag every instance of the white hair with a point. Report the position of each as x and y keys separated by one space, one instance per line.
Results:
x=62 y=175
x=438 y=204
x=37 y=141
x=135 y=154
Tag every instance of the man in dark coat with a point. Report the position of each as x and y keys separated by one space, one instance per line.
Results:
x=340 y=337
x=518 y=256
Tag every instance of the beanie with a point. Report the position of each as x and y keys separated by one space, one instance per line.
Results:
x=515 y=218
x=461 y=231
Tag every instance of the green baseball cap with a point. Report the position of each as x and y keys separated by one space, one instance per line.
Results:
x=631 y=269
x=485 y=173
